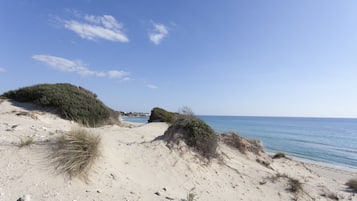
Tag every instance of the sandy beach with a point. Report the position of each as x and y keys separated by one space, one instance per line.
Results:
x=136 y=165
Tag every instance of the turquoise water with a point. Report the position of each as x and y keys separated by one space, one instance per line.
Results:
x=328 y=140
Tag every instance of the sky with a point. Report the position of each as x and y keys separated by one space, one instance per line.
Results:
x=231 y=57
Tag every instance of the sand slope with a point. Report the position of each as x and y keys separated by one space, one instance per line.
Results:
x=136 y=166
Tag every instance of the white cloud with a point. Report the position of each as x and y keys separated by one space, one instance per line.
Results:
x=158 y=34
x=93 y=27
x=76 y=66
x=2 y=70
x=151 y=86
x=116 y=74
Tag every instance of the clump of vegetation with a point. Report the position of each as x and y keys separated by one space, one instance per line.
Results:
x=352 y=184
x=295 y=185
x=71 y=102
x=25 y=141
x=74 y=154
x=332 y=196
x=242 y=144
x=195 y=133
x=279 y=155
x=191 y=196
x=161 y=115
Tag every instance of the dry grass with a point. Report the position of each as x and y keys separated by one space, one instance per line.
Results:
x=74 y=154
x=25 y=141
x=242 y=144
x=191 y=196
x=295 y=185
x=352 y=184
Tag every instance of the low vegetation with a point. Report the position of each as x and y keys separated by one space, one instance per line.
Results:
x=74 y=154
x=161 y=115
x=279 y=155
x=71 y=102
x=195 y=133
x=191 y=196
x=352 y=184
x=295 y=185
x=242 y=144
x=25 y=141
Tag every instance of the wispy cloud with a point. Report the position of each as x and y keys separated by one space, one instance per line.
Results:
x=151 y=86
x=96 y=27
x=158 y=33
x=76 y=66
x=2 y=70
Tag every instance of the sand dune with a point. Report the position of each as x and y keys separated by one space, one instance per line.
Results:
x=135 y=165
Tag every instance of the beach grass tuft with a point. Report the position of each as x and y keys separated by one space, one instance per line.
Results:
x=295 y=185
x=74 y=154
x=352 y=184
x=25 y=141
x=191 y=196
x=242 y=144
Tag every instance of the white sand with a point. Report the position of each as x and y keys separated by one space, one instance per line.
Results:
x=134 y=166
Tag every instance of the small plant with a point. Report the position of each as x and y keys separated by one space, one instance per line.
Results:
x=191 y=196
x=279 y=155
x=295 y=185
x=25 y=141
x=352 y=184
x=244 y=145
x=74 y=154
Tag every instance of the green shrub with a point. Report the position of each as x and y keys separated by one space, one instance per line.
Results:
x=73 y=103
x=195 y=133
x=74 y=154
x=161 y=115
x=279 y=155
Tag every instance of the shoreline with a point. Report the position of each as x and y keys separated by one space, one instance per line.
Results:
x=336 y=166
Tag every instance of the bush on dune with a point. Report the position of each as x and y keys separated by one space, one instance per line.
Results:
x=74 y=154
x=195 y=133
x=161 y=115
x=73 y=103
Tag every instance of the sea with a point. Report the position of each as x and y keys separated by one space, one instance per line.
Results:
x=330 y=141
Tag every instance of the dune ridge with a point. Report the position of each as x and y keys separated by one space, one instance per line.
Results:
x=137 y=165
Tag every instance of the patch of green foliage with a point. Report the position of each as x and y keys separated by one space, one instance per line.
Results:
x=195 y=133
x=161 y=115
x=72 y=102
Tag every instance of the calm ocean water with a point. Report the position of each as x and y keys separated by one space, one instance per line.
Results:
x=327 y=140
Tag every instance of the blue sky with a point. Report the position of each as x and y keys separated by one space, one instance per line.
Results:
x=232 y=57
